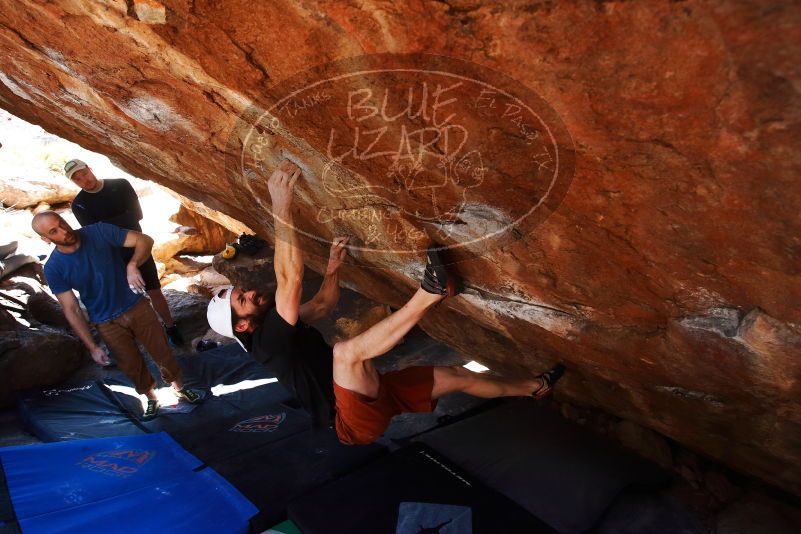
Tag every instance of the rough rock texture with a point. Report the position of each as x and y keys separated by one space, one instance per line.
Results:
x=189 y=312
x=195 y=235
x=8 y=332
x=23 y=192
x=668 y=277
x=173 y=244
x=44 y=357
x=211 y=237
x=7 y=321
x=198 y=210
x=249 y=272
x=758 y=513
x=46 y=309
x=646 y=442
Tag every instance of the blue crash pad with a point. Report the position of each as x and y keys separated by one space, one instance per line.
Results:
x=125 y=484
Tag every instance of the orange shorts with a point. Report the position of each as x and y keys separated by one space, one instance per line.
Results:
x=361 y=420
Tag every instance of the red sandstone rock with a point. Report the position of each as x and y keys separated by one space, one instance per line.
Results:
x=20 y=193
x=150 y=11
x=667 y=279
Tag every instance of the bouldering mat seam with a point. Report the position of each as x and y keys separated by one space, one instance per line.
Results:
x=127 y=413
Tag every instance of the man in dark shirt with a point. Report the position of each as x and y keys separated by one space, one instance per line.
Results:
x=115 y=202
x=297 y=354
x=342 y=381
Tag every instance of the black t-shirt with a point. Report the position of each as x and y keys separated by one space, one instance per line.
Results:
x=115 y=204
x=302 y=362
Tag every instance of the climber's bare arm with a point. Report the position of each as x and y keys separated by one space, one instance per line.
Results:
x=326 y=298
x=288 y=261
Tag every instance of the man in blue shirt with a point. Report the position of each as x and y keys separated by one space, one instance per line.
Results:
x=87 y=260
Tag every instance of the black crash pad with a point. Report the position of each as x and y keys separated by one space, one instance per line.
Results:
x=559 y=471
x=93 y=409
x=368 y=501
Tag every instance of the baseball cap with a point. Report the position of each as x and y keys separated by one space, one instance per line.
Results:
x=219 y=313
x=73 y=166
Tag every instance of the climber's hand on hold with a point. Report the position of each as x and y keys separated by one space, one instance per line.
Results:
x=281 y=185
x=337 y=254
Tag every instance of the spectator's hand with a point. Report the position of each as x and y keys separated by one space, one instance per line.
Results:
x=100 y=356
x=281 y=185
x=337 y=254
x=135 y=281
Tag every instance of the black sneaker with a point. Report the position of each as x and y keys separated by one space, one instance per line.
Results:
x=436 y=278
x=151 y=411
x=174 y=336
x=189 y=395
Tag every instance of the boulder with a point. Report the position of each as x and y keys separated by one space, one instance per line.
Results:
x=27 y=192
x=209 y=277
x=46 y=309
x=195 y=235
x=183 y=265
x=45 y=357
x=209 y=237
x=189 y=311
x=9 y=338
x=201 y=209
x=250 y=272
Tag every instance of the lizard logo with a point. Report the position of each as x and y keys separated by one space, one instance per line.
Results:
x=119 y=463
x=263 y=423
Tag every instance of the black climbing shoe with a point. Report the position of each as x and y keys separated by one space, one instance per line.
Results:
x=436 y=278
x=549 y=380
x=151 y=411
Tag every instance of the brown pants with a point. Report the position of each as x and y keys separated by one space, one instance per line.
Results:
x=140 y=323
